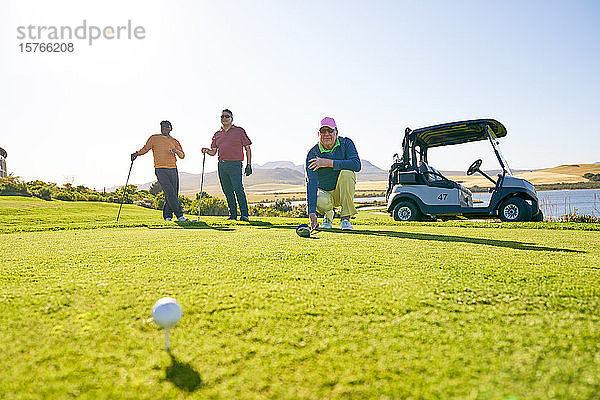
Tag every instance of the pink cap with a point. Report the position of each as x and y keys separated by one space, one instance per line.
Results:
x=328 y=121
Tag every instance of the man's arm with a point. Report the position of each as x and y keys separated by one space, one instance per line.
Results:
x=312 y=183
x=210 y=152
x=248 y=170
x=143 y=150
x=248 y=155
x=352 y=161
x=178 y=149
x=213 y=146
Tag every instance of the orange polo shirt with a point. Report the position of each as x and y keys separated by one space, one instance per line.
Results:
x=161 y=146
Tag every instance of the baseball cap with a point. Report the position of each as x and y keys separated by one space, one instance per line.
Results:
x=328 y=121
x=166 y=123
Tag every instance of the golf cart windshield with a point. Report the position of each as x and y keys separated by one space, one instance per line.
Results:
x=496 y=147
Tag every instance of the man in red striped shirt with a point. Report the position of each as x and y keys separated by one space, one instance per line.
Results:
x=231 y=141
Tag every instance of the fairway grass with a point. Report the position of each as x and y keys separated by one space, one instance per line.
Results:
x=414 y=310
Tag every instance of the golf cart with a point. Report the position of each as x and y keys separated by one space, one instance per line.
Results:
x=417 y=191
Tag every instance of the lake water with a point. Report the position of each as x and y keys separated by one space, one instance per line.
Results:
x=553 y=203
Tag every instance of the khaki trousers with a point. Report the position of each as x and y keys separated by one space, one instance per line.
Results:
x=342 y=195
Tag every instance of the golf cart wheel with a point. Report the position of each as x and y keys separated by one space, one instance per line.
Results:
x=539 y=217
x=406 y=211
x=515 y=209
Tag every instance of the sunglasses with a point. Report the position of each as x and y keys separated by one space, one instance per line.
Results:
x=225 y=116
x=325 y=129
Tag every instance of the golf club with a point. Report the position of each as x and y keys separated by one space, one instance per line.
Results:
x=303 y=230
x=124 y=189
x=201 y=188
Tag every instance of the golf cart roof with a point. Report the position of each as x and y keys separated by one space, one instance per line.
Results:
x=457 y=132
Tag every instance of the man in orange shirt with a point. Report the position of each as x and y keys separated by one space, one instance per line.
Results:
x=164 y=148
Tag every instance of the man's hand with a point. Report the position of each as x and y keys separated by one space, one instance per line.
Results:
x=313 y=220
x=134 y=156
x=248 y=170
x=319 y=162
x=205 y=150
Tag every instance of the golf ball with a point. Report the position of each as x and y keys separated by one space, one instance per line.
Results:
x=166 y=312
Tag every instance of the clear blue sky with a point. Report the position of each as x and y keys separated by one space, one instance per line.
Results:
x=376 y=67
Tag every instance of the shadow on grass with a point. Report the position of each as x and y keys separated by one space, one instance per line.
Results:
x=230 y=226
x=192 y=225
x=444 y=238
x=183 y=375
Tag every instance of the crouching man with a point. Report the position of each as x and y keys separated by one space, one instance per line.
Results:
x=330 y=176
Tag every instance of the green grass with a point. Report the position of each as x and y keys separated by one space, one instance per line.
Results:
x=414 y=310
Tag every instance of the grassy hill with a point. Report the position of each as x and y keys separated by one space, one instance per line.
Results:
x=413 y=310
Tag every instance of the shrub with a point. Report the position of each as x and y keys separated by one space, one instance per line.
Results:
x=210 y=206
x=589 y=219
x=41 y=192
x=282 y=206
x=278 y=209
x=147 y=203
x=64 y=195
x=159 y=201
x=592 y=177
x=11 y=186
x=155 y=188
x=95 y=197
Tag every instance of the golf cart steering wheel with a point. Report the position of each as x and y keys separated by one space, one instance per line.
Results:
x=474 y=167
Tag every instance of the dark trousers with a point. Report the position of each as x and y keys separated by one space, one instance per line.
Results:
x=169 y=181
x=230 y=175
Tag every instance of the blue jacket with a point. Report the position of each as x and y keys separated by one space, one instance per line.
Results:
x=345 y=156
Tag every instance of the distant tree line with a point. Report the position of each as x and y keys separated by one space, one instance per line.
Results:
x=592 y=177
x=152 y=198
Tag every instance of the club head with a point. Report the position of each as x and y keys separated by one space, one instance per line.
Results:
x=303 y=230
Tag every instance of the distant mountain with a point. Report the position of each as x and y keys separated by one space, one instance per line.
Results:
x=370 y=172
x=367 y=169
x=279 y=164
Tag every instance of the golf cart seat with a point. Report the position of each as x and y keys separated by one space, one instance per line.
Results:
x=433 y=177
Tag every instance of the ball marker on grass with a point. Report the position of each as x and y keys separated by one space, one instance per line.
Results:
x=166 y=313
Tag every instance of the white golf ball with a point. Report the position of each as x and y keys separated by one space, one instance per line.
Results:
x=166 y=312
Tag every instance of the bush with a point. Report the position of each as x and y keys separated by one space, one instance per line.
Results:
x=589 y=219
x=95 y=197
x=592 y=177
x=41 y=192
x=280 y=208
x=11 y=186
x=186 y=204
x=63 y=195
x=210 y=206
x=159 y=201
x=147 y=203
x=155 y=188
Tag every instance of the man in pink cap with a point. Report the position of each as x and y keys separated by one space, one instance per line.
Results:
x=330 y=176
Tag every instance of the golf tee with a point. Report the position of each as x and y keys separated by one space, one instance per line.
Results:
x=167 y=340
